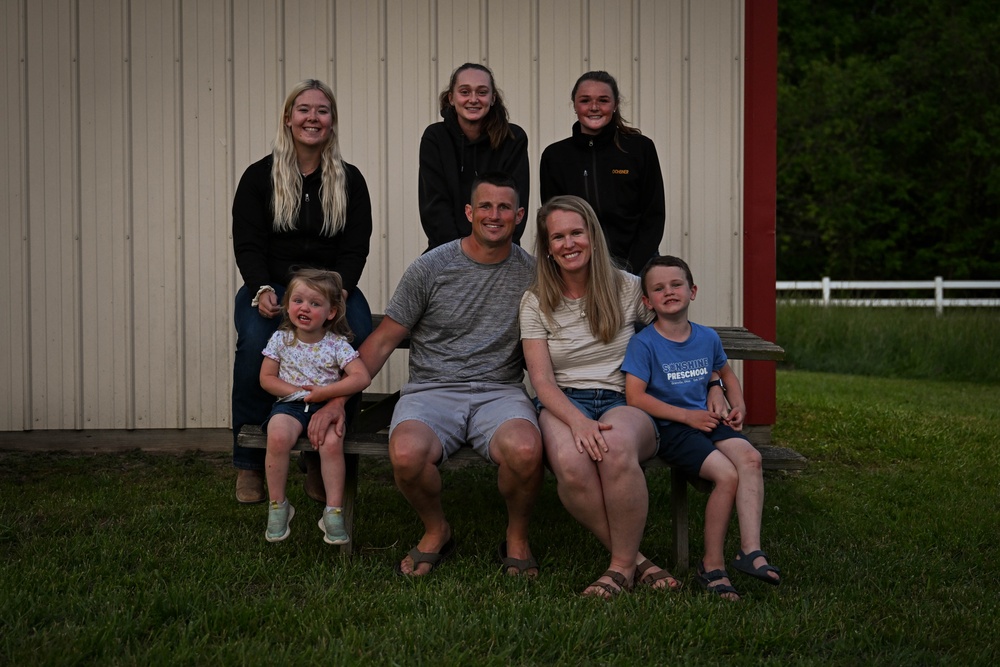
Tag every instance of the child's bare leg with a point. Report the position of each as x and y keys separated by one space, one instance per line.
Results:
x=331 y=458
x=282 y=432
x=718 y=510
x=749 y=495
x=719 y=470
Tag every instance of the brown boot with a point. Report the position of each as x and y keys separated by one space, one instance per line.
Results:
x=250 y=487
x=315 y=488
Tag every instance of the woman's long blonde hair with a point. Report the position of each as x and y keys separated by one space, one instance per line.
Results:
x=602 y=303
x=287 y=180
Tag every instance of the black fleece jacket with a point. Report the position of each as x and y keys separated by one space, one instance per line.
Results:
x=623 y=185
x=267 y=257
x=449 y=163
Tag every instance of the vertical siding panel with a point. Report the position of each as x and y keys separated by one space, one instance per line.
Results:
x=412 y=86
x=52 y=253
x=307 y=42
x=411 y=94
x=736 y=170
x=205 y=278
x=157 y=225
x=257 y=97
x=510 y=58
x=657 y=102
x=358 y=71
x=105 y=342
x=459 y=35
x=362 y=60
x=610 y=37
x=15 y=380
x=714 y=126
x=561 y=60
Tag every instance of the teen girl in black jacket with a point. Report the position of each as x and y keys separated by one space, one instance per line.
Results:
x=473 y=138
x=613 y=167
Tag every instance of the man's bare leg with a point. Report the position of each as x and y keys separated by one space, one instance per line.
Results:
x=414 y=450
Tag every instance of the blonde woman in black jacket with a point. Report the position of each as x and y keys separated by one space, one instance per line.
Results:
x=301 y=206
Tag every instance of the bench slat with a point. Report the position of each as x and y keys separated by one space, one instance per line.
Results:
x=377 y=444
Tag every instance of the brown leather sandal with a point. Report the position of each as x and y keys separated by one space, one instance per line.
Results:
x=673 y=584
x=623 y=584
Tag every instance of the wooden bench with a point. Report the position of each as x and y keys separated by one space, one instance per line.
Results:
x=368 y=437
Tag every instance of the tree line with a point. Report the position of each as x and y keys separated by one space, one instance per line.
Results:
x=888 y=139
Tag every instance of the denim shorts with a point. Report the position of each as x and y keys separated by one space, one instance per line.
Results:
x=595 y=402
x=300 y=410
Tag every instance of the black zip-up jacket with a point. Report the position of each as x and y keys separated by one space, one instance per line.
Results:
x=623 y=185
x=267 y=257
x=449 y=163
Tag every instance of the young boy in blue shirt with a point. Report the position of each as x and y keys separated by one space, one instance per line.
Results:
x=668 y=366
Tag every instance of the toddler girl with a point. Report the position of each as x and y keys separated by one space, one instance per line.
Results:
x=303 y=366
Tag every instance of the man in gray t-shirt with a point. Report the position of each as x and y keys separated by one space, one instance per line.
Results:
x=459 y=304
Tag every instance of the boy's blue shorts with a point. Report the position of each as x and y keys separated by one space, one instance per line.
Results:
x=686 y=447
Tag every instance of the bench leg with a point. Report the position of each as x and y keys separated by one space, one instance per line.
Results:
x=350 y=491
x=679 y=516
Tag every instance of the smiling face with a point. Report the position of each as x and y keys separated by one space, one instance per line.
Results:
x=309 y=310
x=667 y=291
x=472 y=96
x=594 y=103
x=569 y=242
x=311 y=119
x=494 y=215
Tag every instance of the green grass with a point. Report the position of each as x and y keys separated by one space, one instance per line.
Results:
x=962 y=344
x=888 y=543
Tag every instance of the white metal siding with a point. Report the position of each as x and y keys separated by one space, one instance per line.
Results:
x=127 y=124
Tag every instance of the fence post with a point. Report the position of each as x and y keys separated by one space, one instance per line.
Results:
x=939 y=295
x=826 y=290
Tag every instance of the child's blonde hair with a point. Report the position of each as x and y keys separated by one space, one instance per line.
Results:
x=331 y=286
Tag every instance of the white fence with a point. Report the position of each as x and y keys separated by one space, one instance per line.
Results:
x=938 y=285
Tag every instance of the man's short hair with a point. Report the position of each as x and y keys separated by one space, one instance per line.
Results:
x=497 y=179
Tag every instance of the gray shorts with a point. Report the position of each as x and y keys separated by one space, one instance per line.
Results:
x=463 y=413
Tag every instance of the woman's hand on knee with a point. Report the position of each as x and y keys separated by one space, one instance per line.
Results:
x=588 y=439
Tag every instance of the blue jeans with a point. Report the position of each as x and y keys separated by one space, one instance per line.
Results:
x=595 y=402
x=592 y=402
x=251 y=404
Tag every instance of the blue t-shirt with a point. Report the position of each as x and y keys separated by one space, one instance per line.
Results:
x=676 y=373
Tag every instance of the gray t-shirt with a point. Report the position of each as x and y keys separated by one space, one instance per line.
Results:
x=462 y=315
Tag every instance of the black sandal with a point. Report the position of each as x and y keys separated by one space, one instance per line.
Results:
x=744 y=563
x=706 y=579
x=521 y=566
